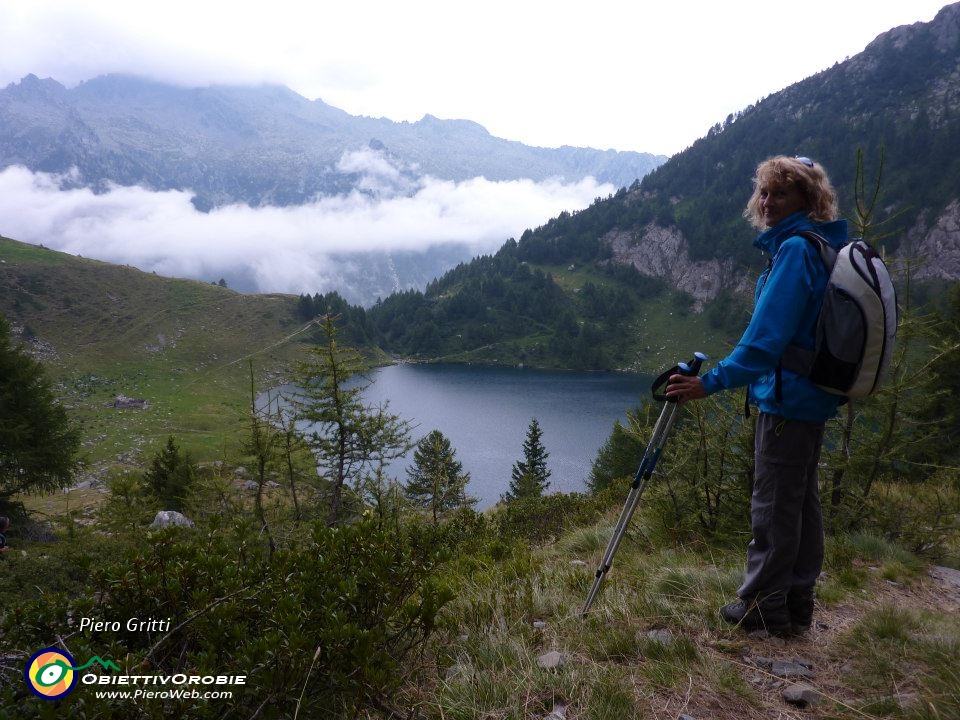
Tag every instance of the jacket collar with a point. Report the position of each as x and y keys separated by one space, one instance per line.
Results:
x=770 y=240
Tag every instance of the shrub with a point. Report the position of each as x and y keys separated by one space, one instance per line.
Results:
x=332 y=626
x=543 y=518
x=702 y=485
x=129 y=504
x=922 y=517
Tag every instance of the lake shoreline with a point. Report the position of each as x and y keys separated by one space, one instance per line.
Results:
x=484 y=410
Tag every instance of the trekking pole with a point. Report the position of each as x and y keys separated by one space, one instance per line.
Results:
x=647 y=465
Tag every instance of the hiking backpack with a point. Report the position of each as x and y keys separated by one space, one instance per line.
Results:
x=857 y=325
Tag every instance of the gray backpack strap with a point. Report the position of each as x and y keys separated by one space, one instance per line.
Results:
x=827 y=253
x=795 y=358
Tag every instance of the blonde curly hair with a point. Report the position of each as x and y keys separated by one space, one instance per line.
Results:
x=809 y=177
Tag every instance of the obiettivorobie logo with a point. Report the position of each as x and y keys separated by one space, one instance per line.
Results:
x=51 y=674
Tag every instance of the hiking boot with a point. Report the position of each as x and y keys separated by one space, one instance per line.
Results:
x=750 y=616
x=800 y=606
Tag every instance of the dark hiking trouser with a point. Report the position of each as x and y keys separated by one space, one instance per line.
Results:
x=785 y=556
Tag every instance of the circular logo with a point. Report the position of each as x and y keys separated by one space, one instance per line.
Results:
x=50 y=673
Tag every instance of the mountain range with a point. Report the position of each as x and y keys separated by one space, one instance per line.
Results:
x=886 y=124
x=263 y=145
x=268 y=147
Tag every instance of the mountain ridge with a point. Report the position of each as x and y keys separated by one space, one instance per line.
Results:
x=896 y=105
x=258 y=145
x=265 y=146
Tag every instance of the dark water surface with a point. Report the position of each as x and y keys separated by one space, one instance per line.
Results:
x=485 y=412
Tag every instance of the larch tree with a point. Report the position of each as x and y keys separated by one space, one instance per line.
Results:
x=347 y=437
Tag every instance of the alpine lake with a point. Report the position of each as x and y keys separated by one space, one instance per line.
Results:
x=485 y=412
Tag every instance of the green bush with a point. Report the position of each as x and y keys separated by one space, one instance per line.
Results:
x=702 y=486
x=922 y=517
x=545 y=518
x=331 y=626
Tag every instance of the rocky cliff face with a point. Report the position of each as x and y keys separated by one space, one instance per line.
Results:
x=663 y=252
x=935 y=246
x=932 y=248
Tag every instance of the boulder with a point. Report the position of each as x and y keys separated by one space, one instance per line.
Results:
x=171 y=518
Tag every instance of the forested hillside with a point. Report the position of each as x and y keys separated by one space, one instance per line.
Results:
x=588 y=315
x=588 y=289
x=898 y=100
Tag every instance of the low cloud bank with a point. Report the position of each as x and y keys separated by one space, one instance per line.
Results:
x=280 y=249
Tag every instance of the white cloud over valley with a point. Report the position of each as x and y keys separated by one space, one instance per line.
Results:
x=305 y=248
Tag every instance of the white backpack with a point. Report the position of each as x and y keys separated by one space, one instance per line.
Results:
x=857 y=325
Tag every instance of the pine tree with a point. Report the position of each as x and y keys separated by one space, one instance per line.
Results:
x=530 y=476
x=617 y=458
x=437 y=480
x=170 y=476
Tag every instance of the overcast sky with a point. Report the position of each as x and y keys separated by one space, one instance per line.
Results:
x=645 y=76
x=639 y=75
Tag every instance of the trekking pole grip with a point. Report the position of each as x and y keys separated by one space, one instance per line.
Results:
x=691 y=367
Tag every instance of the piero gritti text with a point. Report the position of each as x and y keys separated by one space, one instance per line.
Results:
x=131 y=625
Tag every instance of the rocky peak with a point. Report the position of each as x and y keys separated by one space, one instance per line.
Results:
x=32 y=88
x=946 y=28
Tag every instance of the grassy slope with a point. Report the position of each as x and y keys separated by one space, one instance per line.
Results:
x=885 y=642
x=105 y=330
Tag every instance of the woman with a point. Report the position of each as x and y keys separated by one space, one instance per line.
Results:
x=785 y=556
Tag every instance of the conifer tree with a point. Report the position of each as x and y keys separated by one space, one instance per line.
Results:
x=530 y=476
x=170 y=476
x=347 y=437
x=437 y=481
x=617 y=458
x=38 y=442
x=261 y=446
x=944 y=379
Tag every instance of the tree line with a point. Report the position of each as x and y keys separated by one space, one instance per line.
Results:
x=503 y=300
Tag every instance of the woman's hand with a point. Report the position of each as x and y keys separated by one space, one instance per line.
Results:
x=685 y=387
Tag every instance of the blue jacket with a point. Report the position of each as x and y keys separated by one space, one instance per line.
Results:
x=786 y=305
